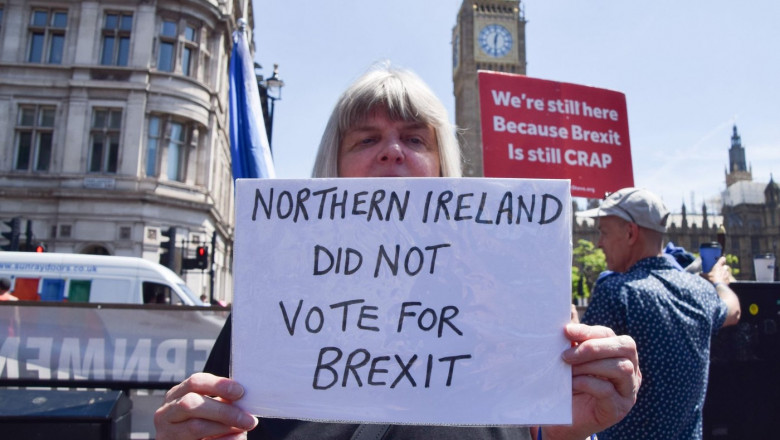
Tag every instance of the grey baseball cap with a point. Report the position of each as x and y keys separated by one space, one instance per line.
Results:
x=635 y=205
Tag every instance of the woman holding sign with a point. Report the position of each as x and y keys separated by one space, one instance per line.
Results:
x=389 y=124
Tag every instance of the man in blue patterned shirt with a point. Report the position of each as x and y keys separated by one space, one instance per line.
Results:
x=671 y=314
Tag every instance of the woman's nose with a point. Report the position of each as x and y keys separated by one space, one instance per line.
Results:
x=391 y=151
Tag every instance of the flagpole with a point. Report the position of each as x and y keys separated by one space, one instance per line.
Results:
x=249 y=146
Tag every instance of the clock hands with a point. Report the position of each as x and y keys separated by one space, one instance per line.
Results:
x=495 y=40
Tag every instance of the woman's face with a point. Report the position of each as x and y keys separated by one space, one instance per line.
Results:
x=381 y=147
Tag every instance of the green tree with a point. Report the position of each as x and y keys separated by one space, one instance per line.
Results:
x=733 y=262
x=589 y=262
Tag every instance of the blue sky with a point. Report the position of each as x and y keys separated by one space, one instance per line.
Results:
x=690 y=70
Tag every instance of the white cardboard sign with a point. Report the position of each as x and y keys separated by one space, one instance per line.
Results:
x=430 y=301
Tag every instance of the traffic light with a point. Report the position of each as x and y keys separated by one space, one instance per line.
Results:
x=201 y=260
x=13 y=235
x=202 y=257
x=167 y=256
x=40 y=248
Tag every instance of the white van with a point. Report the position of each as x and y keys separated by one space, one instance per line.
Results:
x=93 y=278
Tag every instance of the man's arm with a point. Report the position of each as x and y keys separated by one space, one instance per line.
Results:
x=732 y=302
x=720 y=277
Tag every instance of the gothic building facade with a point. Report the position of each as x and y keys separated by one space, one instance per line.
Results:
x=116 y=126
x=747 y=221
x=751 y=211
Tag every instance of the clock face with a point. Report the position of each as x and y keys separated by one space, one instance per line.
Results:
x=495 y=40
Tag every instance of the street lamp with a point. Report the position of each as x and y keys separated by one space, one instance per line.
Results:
x=270 y=91
x=273 y=87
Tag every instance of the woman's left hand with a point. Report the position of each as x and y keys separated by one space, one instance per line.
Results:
x=605 y=380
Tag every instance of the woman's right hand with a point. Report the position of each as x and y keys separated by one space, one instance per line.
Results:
x=202 y=407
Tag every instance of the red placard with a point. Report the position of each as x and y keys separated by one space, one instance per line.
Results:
x=534 y=128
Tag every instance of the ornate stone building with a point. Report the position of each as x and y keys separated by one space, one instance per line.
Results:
x=115 y=126
x=488 y=35
x=751 y=212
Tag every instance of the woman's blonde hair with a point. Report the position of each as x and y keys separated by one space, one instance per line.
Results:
x=405 y=97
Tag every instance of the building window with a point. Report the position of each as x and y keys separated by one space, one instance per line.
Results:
x=116 y=39
x=153 y=146
x=182 y=47
x=176 y=152
x=34 y=134
x=166 y=148
x=167 y=49
x=190 y=48
x=47 y=36
x=104 y=140
x=755 y=245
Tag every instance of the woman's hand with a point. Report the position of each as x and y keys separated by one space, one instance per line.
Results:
x=202 y=407
x=605 y=380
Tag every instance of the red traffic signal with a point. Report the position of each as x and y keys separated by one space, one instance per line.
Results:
x=40 y=248
x=201 y=260
x=202 y=257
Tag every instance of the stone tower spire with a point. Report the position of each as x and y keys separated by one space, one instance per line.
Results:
x=705 y=224
x=738 y=169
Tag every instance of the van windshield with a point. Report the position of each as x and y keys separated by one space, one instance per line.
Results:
x=195 y=300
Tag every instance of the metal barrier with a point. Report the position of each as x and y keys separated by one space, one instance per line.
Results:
x=65 y=414
x=743 y=396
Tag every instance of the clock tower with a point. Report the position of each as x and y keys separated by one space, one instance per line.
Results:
x=489 y=35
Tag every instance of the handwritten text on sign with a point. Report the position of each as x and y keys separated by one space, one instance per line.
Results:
x=426 y=301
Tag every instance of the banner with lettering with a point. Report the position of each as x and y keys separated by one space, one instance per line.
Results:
x=535 y=128
x=106 y=342
x=419 y=301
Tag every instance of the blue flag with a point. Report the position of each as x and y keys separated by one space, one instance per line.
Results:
x=249 y=149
